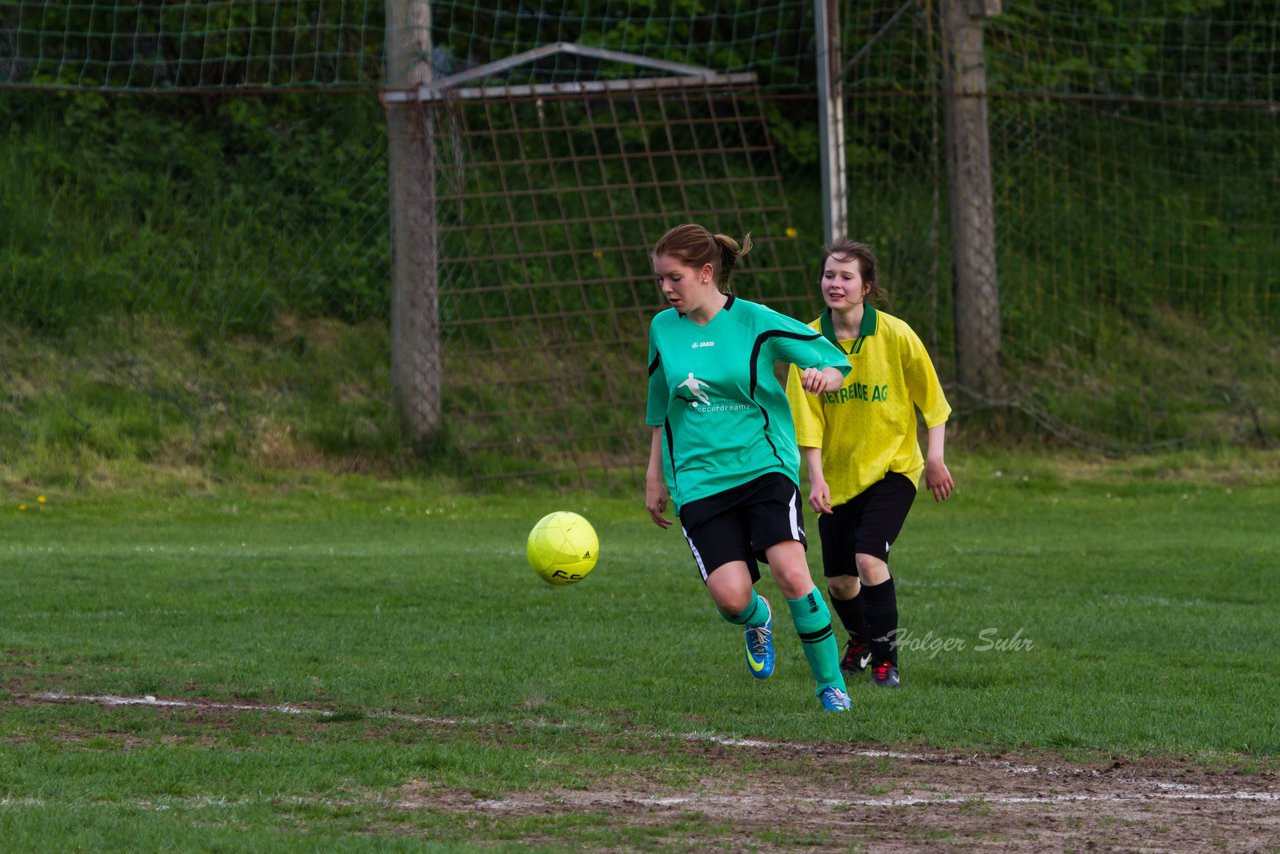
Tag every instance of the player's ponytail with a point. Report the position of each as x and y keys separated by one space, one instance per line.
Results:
x=730 y=252
x=694 y=246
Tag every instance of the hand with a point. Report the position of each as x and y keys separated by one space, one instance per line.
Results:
x=816 y=381
x=655 y=501
x=938 y=479
x=820 y=497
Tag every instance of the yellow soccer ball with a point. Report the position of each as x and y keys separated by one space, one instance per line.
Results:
x=563 y=548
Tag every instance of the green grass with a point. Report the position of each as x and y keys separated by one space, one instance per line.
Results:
x=133 y=398
x=1136 y=608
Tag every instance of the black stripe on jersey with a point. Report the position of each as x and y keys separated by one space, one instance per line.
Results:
x=755 y=360
x=759 y=345
x=671 y=449
x=666 y=422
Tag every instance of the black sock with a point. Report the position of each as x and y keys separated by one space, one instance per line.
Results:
x=850 y=613
x=880 y=610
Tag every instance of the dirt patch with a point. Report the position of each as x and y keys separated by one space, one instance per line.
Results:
x=884 y=801
x=772 y=796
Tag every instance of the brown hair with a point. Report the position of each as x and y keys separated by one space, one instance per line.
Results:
x=694 y=246
x=851 y=250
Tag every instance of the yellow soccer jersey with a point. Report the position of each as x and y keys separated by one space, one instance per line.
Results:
x=867 y=428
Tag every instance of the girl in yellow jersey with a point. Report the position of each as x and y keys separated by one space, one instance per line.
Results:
x=864 y=461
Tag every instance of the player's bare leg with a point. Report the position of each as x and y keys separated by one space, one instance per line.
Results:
x=812 y=621
x=730 y=587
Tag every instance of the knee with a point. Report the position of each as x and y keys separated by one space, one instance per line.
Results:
x=795 y=582
x=872 y=570
x=843 y=586
x=732 y=603
x=790 y=569
x=730 y=588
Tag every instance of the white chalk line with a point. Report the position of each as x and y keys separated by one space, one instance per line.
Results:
x=214 y=705
x=586 y=800
x=291 y=709
x=1163 y=790
x=965 y=800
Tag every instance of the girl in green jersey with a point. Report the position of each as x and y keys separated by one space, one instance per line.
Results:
x=724 y=450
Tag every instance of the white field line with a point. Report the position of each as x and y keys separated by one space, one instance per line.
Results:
x=283 y=708
x=291 y=709
x=693 y=800
x=730 y=802
x=1163 y=791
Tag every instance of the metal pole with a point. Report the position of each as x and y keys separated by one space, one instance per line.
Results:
x=415 y=311
x=835 y=191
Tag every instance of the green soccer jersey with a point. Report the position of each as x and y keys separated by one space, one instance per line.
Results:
x=713 y=390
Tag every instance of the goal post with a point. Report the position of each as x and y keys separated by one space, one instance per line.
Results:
x=971 y=205
x=415 y=305
x=413 y=101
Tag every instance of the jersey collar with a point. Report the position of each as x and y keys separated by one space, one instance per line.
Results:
x=728 y=304
x=870 y=323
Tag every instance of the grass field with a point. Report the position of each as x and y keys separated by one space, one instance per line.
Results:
x=363 y=665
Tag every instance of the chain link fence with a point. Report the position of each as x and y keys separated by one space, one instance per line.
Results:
x=206 y=184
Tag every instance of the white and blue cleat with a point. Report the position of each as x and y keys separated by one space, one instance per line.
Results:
x=760 y=646
x=834 y=700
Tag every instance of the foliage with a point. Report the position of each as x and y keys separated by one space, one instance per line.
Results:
x=149 y=206
x=1125 y=50
x=124 y=398
x=1136 y=190
x=164 y=46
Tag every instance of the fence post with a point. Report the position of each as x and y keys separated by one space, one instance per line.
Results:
x=972 y=211
x=415 y=310
x=835 y=188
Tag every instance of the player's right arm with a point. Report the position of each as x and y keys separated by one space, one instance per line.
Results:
x=810 y=423
x=655 y=487
x=655 y=484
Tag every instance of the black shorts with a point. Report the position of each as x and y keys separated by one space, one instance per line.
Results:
x=866 y=524
x=740 y=523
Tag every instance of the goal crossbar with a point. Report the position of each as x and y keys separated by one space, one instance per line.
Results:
x=690 y=75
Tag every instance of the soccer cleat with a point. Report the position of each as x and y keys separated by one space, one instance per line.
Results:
x=834 y=700
x=857 y=655
x=760 y=646
x=884 y=674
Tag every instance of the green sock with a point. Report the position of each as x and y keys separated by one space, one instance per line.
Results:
x=813 y=624
x=756 y=614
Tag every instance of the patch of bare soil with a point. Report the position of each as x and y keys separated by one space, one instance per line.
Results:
x=794 y=797
x=788 y=797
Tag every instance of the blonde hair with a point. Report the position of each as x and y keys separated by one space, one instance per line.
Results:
x=694 y=246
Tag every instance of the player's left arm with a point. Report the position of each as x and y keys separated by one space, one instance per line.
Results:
x=926 y=392
x=822 y=366
x=937 y=477
x=818 y=380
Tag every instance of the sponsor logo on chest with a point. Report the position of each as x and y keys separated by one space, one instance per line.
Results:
x=868 y=393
